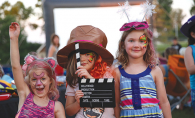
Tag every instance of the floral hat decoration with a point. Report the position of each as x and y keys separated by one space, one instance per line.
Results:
x=133 y=20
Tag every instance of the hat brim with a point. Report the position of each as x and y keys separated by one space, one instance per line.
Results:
x=62 y=55
x=186 y=27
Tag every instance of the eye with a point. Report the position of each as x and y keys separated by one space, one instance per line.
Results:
x=34 y=79
x=142 y=41
x=87 y=54
x=130 y=40
x=42 y=78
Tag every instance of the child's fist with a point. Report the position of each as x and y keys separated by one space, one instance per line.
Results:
x=14 y=30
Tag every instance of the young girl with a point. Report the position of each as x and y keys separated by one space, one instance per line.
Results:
x=142 y=93
x=37 y=97
x=188 y=29
x=94 y=60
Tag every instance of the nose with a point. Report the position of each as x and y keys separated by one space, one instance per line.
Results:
x=82 y=56
x=136 y=44
x=38 y=83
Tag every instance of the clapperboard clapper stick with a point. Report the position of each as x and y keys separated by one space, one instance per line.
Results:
x=97 y=92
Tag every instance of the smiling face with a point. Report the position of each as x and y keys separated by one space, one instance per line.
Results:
x=87 y=60
x=135 y=44
x=39 y=82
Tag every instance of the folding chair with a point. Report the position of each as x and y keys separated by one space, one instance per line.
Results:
x=178 y=79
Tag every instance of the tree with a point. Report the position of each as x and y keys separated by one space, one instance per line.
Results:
x=192 y=10
x=165 y=20
x=8 y=14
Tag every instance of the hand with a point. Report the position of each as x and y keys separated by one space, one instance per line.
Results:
x=82 y=72
x=14 y=30
x=78 y=95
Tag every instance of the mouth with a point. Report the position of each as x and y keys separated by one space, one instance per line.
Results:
x=39 y=89
x=83 y=64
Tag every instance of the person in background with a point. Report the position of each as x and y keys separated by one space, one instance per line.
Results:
x=188 y=29
x=53 y=49
x=175 y=44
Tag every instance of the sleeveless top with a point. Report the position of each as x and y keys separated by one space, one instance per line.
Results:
x=31 y=110
x=138 y=95
x=55 y=53
x=192 y=77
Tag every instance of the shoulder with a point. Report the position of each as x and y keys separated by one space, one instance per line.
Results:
x=58 y=105
x=156 y=71
x=116 y=73
x=52 y=47
x=189 y=48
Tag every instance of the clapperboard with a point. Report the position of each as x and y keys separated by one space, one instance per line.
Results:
x=97 y=92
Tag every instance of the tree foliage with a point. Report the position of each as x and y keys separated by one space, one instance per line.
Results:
x=166 y=19
x=9 y=14
x=192 y=10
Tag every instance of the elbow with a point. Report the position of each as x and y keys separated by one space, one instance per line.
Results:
x=68 y=112
x=15 y=67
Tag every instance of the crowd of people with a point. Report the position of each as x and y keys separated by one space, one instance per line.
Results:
x=139 y=78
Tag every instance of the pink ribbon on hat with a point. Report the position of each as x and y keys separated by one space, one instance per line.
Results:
x=87 y=41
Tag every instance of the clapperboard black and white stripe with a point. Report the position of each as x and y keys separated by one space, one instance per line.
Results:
x=97 y=92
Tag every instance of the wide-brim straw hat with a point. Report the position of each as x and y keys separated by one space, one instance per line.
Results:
x=186 y=27
x=90 y=38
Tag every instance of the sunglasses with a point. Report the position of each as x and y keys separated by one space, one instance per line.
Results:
x=135 y=25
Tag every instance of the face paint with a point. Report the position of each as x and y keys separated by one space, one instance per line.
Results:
x=38 y=77
x=143 y=38
x=91 y=56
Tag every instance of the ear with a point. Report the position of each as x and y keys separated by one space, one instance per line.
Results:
x=51 y=61
x=192 y=34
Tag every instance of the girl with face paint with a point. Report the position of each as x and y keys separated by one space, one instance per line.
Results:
x=38 y=94
x=139 y=86
x=95 y=61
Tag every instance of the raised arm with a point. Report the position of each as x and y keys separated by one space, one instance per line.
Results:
x=189 y=60
x=14 y=31
x=161 y=92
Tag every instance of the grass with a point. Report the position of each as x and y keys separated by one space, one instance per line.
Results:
x=161 y=47
x=187 y=112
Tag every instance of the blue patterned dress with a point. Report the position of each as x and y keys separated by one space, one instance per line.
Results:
x=138 y=95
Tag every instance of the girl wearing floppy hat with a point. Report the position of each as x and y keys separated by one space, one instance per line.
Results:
x=188 y=29
x=94 y=59
x=38 y=95
x=139 y=88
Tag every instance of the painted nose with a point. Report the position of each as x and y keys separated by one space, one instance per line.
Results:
x=38 y=83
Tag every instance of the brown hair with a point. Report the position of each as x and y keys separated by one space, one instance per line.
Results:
x=52 y=39
x=149 y=57
x=170 y=51
x=99 y=69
